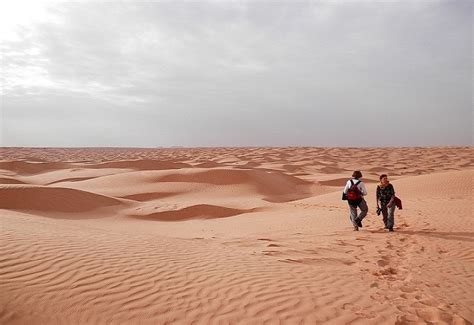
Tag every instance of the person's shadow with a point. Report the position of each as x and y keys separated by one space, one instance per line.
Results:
x=462 y=236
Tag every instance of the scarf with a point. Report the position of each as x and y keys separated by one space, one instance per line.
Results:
x=384 y=186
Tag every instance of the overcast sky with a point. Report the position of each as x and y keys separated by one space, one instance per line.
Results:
x=221 y=73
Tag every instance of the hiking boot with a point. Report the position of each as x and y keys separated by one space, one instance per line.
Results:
x=356 y=228
x=390 y=229
x=359 y=222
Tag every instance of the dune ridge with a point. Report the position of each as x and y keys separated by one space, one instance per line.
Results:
x=199 y=211
x=47 y=199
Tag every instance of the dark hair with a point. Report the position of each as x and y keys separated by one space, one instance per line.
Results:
x=357 y=174
x=382 y=176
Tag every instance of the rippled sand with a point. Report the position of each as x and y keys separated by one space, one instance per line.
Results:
x=233 y=235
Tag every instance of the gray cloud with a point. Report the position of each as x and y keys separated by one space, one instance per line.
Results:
x=241 y=73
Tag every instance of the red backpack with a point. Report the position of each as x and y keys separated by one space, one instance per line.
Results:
x=353 y=193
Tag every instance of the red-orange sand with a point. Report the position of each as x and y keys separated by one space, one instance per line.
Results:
x=233 y=236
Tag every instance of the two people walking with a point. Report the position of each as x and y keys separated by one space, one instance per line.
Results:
x=355 y=191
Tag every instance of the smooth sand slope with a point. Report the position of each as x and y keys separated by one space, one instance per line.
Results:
x=233 y=235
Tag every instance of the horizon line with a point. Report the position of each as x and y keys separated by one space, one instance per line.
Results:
x=216 y=147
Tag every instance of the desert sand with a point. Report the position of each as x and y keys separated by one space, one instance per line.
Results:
x=233 y=236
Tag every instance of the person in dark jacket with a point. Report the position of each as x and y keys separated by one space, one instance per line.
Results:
x=386 y=201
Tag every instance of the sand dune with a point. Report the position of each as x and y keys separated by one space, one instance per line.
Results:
x=144 y=164
x=275 y=186
x=233 y=176
x=9 y=180
x=201 y=211
x=28 y=168
x=271 y=186
x=46 y=199
x=332 y=170
x=341 y=182
x=69 y=175
x=148 y=196
x=233 y=236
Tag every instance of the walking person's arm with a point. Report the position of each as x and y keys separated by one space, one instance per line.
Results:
x=392 y=196
x=377 y=196
x=346 y=188
x=362 y=188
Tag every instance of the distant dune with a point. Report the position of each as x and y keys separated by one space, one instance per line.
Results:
x=34 y=198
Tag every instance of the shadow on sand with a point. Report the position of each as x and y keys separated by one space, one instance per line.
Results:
x=461 y=236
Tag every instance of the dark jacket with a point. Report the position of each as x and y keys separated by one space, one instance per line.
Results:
x=384 y=195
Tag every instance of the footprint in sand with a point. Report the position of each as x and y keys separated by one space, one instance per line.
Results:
x=271 y=253
x=384 y=261
x=406 y=319
x=408 y=289
x=273 y=245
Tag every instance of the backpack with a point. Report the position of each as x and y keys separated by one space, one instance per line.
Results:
x=353 y=193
